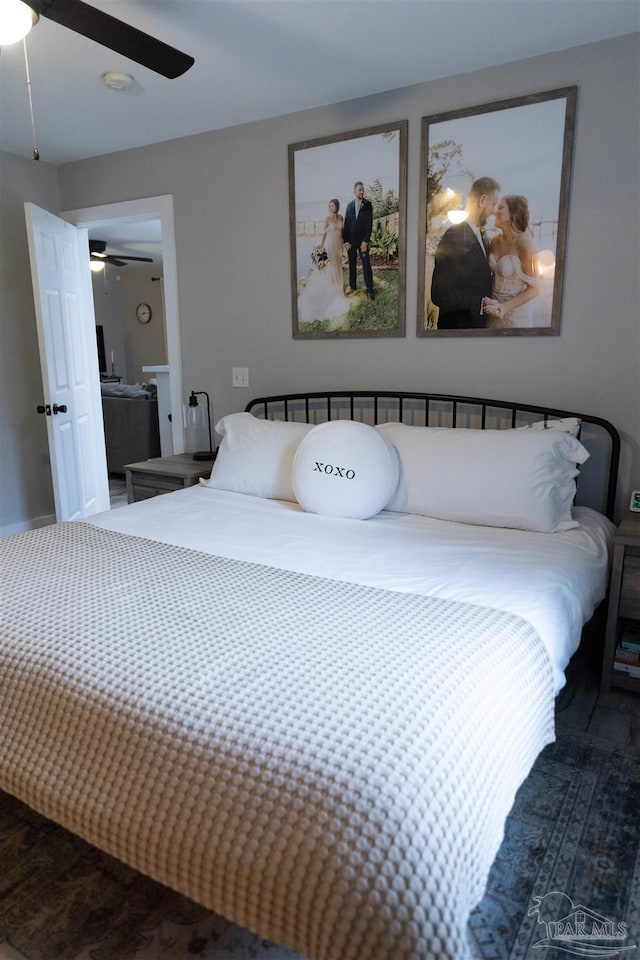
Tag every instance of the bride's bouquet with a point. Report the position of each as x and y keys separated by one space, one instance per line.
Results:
x=319 y=257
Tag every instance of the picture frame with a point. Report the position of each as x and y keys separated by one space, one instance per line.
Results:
x=526 y=145
x=333 y=293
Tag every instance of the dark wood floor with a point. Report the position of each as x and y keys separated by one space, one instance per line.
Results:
x=117 y=491
x=580 y=707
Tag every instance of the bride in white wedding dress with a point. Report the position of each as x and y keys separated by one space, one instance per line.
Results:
x=513 y=262
x=322 y=297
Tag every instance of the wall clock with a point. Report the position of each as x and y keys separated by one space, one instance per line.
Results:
x=143 y=312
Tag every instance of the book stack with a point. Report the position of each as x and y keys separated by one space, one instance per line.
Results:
x=627 y=658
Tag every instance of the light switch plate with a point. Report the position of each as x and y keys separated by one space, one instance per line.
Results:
x=240 y=376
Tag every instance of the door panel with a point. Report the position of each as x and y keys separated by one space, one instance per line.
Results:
x=69 y=362
x=70 y=488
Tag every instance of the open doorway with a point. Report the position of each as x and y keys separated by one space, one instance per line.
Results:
x=146 y=221
x=127 y=280
x=147 y=209
x=128 y=295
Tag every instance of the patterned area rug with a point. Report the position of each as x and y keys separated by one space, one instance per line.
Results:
x=571 y=843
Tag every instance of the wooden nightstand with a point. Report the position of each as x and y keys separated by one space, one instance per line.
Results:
x=149 y=478
x=624 y=601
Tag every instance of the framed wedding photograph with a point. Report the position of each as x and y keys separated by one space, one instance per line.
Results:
x=494 y=196
x=347 y=214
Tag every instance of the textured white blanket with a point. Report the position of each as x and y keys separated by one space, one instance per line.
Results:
x=327 y=764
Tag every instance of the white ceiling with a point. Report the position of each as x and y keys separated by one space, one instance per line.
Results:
x=256 y=59
x=132 y=238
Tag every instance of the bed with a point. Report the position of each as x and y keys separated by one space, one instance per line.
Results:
x=310 y=715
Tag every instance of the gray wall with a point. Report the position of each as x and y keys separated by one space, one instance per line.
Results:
x=116 y=294
x=231 y=199
x=107 y=305
x=145 y=344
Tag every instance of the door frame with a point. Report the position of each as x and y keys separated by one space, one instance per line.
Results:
x=160 y=208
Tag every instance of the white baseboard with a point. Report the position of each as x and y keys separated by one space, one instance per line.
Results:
x=8 y=531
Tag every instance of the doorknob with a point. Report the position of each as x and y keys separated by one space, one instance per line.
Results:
x=59 y=409
x=44 y=409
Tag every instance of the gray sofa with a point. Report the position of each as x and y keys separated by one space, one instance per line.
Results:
x=131 y=428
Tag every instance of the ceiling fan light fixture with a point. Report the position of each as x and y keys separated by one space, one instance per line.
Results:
x=117 y=80
x=96 y=265
x=16 y=20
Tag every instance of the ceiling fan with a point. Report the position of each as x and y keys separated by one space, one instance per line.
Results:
x=98 y=254
x=103 y=28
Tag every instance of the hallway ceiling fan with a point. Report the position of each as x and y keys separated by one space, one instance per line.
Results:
x=103 y=28
x=98 y=254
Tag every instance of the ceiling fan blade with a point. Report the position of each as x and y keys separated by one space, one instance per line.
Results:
x=116 y=35
x=97 y=251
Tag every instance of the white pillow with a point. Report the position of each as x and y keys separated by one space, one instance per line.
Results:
x=501 y=478
x=564 y=425
x=345 y=469
x=256 y=456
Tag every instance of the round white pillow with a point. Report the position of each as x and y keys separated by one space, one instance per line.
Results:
x=343 y=468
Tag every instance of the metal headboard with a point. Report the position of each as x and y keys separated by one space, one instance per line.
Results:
x=598 y=477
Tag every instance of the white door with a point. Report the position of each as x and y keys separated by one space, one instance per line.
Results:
x=69 y=363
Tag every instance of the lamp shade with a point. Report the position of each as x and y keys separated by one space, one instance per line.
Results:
x=16 y=20
x=193 y=402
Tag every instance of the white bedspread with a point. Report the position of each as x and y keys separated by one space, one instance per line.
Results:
x=326 y=763
x=291 y=718
x=554 y=581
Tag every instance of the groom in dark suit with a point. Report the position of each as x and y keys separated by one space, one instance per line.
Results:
x=356 y=233
x=461 y=285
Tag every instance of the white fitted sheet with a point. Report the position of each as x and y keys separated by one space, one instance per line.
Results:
x=554 y=581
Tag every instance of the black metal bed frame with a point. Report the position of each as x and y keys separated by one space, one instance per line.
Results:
x=381 y=406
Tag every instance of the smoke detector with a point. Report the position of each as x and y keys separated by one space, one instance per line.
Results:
x=117 y=80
